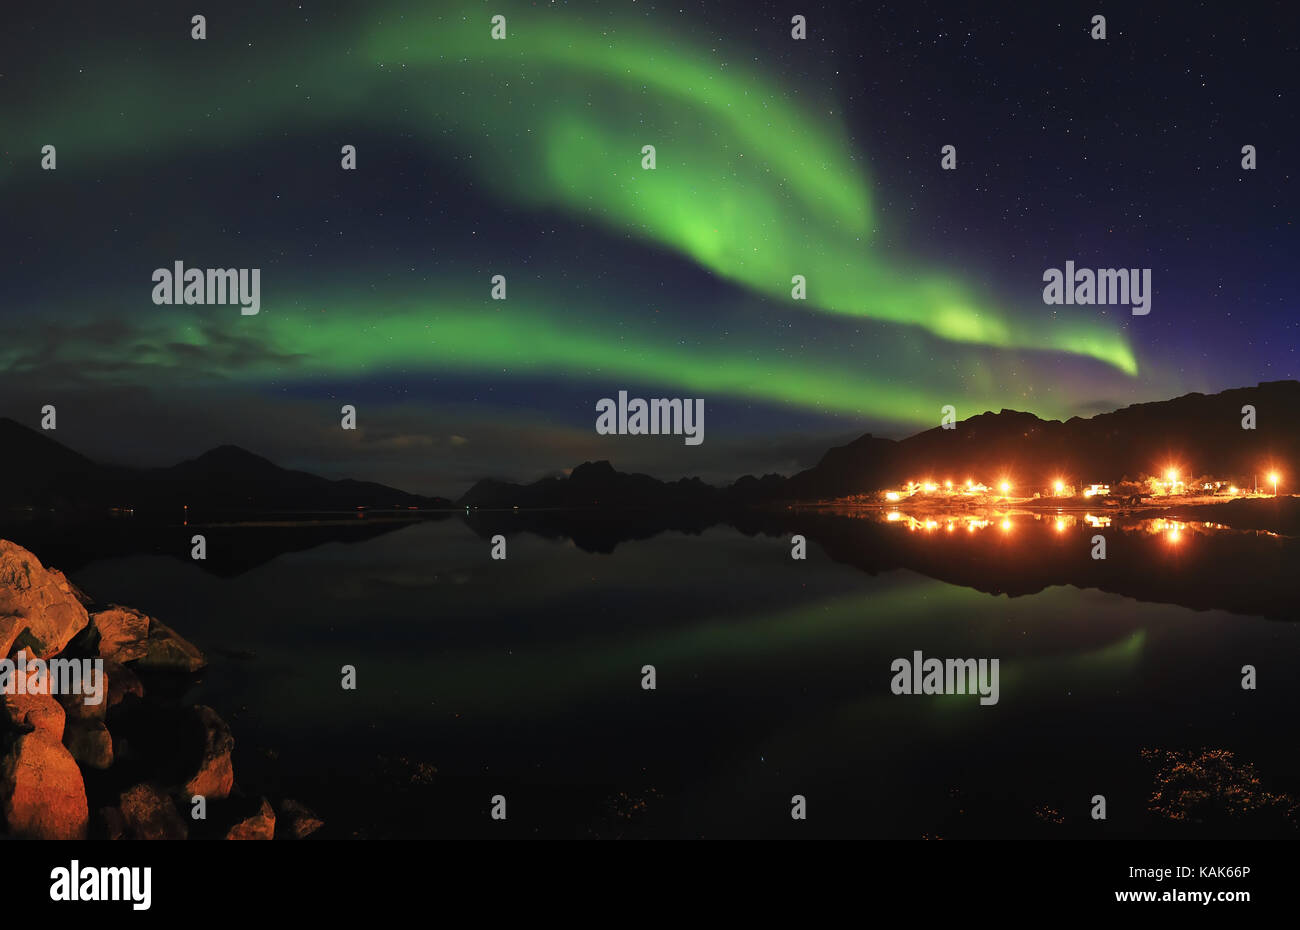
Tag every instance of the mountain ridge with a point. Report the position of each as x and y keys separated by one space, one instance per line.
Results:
x=1196 y=433
x=38 y=471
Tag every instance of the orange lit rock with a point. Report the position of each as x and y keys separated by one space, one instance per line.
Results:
x=36 y=603
x=215 y=776
x=123 y=633
x=150 y=815
x=41 y=791
x=260 y=826
x=37 y=711
x=84 y=733
x=297 y=821
x=167 y=650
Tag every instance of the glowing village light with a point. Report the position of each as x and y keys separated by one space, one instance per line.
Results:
x=1060 y=488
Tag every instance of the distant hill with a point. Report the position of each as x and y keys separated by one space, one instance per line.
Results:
x=1198 y=434
x=31 y=463
x=592 y=484
x=37 y=471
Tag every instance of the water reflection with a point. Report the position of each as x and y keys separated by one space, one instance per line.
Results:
x=522 y=677
x=1017 y=551
x=1173 y=531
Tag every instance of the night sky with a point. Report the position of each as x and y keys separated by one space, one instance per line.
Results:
x=522 y=158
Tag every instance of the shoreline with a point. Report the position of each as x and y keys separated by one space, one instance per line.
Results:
x=1275 y=514
x=125 y=757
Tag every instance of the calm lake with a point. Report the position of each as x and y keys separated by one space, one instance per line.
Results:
x=523 y=677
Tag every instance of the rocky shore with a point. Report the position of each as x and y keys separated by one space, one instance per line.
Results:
x=138 y=763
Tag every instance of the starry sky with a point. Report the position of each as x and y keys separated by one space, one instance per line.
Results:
x=523 y=157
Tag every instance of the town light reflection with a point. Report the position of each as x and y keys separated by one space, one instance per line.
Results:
x=1173 y=531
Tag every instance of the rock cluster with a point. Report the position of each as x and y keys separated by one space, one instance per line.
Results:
x=133 y=765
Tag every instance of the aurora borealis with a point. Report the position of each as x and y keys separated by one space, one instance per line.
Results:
x=623 y=419
x=522 y=157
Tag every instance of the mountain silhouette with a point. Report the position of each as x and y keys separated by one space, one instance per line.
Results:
x=36 y=471
x=591 y=484
x=1197 y=434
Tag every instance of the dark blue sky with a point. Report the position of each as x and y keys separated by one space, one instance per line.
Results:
x=1116 y=153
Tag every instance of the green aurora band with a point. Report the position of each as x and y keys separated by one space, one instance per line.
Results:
x=360 y=335
x=750 y=185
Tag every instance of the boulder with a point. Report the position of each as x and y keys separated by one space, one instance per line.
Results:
x=150 y=815
x=122 y=682
x=296 y=821
x=41 y=792
x=89 y=742
x=33 y=711
x=86 y=600
x=77 y=708
x=85 y=733
x=123 y=633
x=166 y=650
x=260 y=826
x=215 y=775
x=36 y=603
